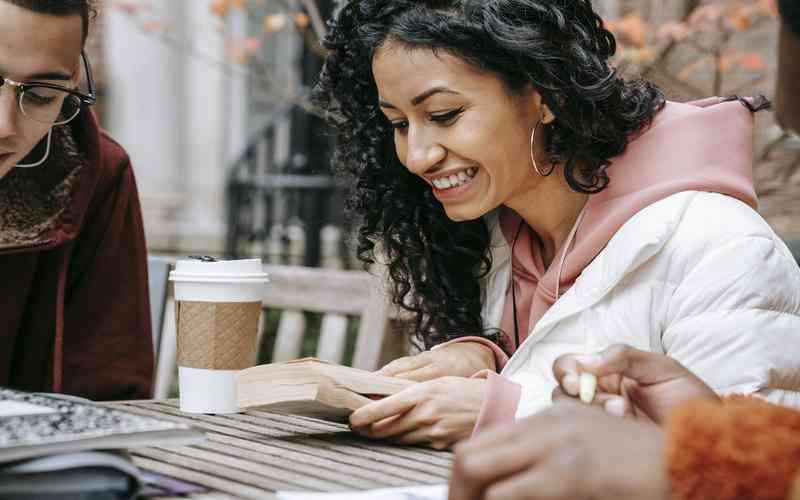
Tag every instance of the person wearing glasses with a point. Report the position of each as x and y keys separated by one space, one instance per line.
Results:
x=74 y=311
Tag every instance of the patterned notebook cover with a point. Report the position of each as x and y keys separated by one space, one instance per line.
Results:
x=29 y=421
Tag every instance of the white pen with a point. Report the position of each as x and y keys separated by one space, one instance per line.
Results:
x=587 y=381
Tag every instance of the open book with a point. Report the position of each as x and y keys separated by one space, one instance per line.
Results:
x=312 y=388
x=36 y=425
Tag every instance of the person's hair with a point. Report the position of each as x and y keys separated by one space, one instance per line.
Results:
x=84 y=8
x=561 y=48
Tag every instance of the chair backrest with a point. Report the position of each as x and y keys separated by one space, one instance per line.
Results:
x=335 y=294
x=158 y=274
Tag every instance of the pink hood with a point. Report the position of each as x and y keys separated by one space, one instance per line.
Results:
x=700 y=146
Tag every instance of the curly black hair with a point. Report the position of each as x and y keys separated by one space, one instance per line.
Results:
x=560 y=47
x=84 y=8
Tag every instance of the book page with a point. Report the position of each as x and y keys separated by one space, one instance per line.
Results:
x=311 y=369
x=428 y=492
x=18 y=409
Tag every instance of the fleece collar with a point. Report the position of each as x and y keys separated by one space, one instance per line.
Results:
x=42 y=207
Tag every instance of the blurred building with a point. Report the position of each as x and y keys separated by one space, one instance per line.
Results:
x=171 y=111
x=228 y=159
x=193 y=117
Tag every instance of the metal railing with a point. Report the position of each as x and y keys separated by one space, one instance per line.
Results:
x=277 y=200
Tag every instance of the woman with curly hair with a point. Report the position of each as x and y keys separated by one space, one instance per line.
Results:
x=527 y=200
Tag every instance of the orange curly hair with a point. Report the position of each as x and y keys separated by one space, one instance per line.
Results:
x=745 y=448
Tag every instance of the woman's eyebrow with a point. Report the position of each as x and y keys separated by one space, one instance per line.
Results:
x=421 y=98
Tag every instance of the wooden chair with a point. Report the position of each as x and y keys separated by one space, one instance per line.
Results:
x=157 y=274
x=334 y=293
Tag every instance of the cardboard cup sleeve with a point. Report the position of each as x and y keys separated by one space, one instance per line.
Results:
x=217 y=335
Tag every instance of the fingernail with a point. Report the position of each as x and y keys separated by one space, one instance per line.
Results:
x=615 y=406
x=571 y=384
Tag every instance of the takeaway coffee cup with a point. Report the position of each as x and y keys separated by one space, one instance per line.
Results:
x=218 y=304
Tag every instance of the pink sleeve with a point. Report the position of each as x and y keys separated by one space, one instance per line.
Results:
x=500 y=357
x=499 y=403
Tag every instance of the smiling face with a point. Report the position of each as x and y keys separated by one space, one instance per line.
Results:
x=459 y=129
x=33 y=47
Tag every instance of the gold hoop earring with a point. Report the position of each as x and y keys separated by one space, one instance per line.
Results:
x=533 y=158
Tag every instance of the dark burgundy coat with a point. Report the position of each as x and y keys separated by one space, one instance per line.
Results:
x=74 y=311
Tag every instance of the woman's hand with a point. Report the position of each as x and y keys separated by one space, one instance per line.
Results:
x=438 y=412
x=571 y=451
x=631 y=382
x=459 y=359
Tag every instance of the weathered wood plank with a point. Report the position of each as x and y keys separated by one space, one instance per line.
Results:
x=310 y=422
x=308 y=425
x=316 y=442
x=209 y=481
x=332 y=338
x=289 y=339
x=344 y=436
x=317 y=290
x=350 y=477
x=201 y=496
x=372 y=332
x=214 y=455
x=167 y=353
x=251 y=436
x=219 y=470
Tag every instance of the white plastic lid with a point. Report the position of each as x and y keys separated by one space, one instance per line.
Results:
x=193 y=269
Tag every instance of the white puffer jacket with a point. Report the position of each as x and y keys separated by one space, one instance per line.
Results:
x=698 y=276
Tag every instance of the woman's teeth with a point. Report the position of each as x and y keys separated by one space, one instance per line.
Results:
x=455 y=180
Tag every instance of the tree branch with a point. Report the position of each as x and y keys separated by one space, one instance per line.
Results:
x=317 y=23
x=294 y=96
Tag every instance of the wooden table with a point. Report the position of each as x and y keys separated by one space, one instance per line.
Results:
x=251 y=455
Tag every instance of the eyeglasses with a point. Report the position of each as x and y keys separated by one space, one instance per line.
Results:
x=53 y=104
